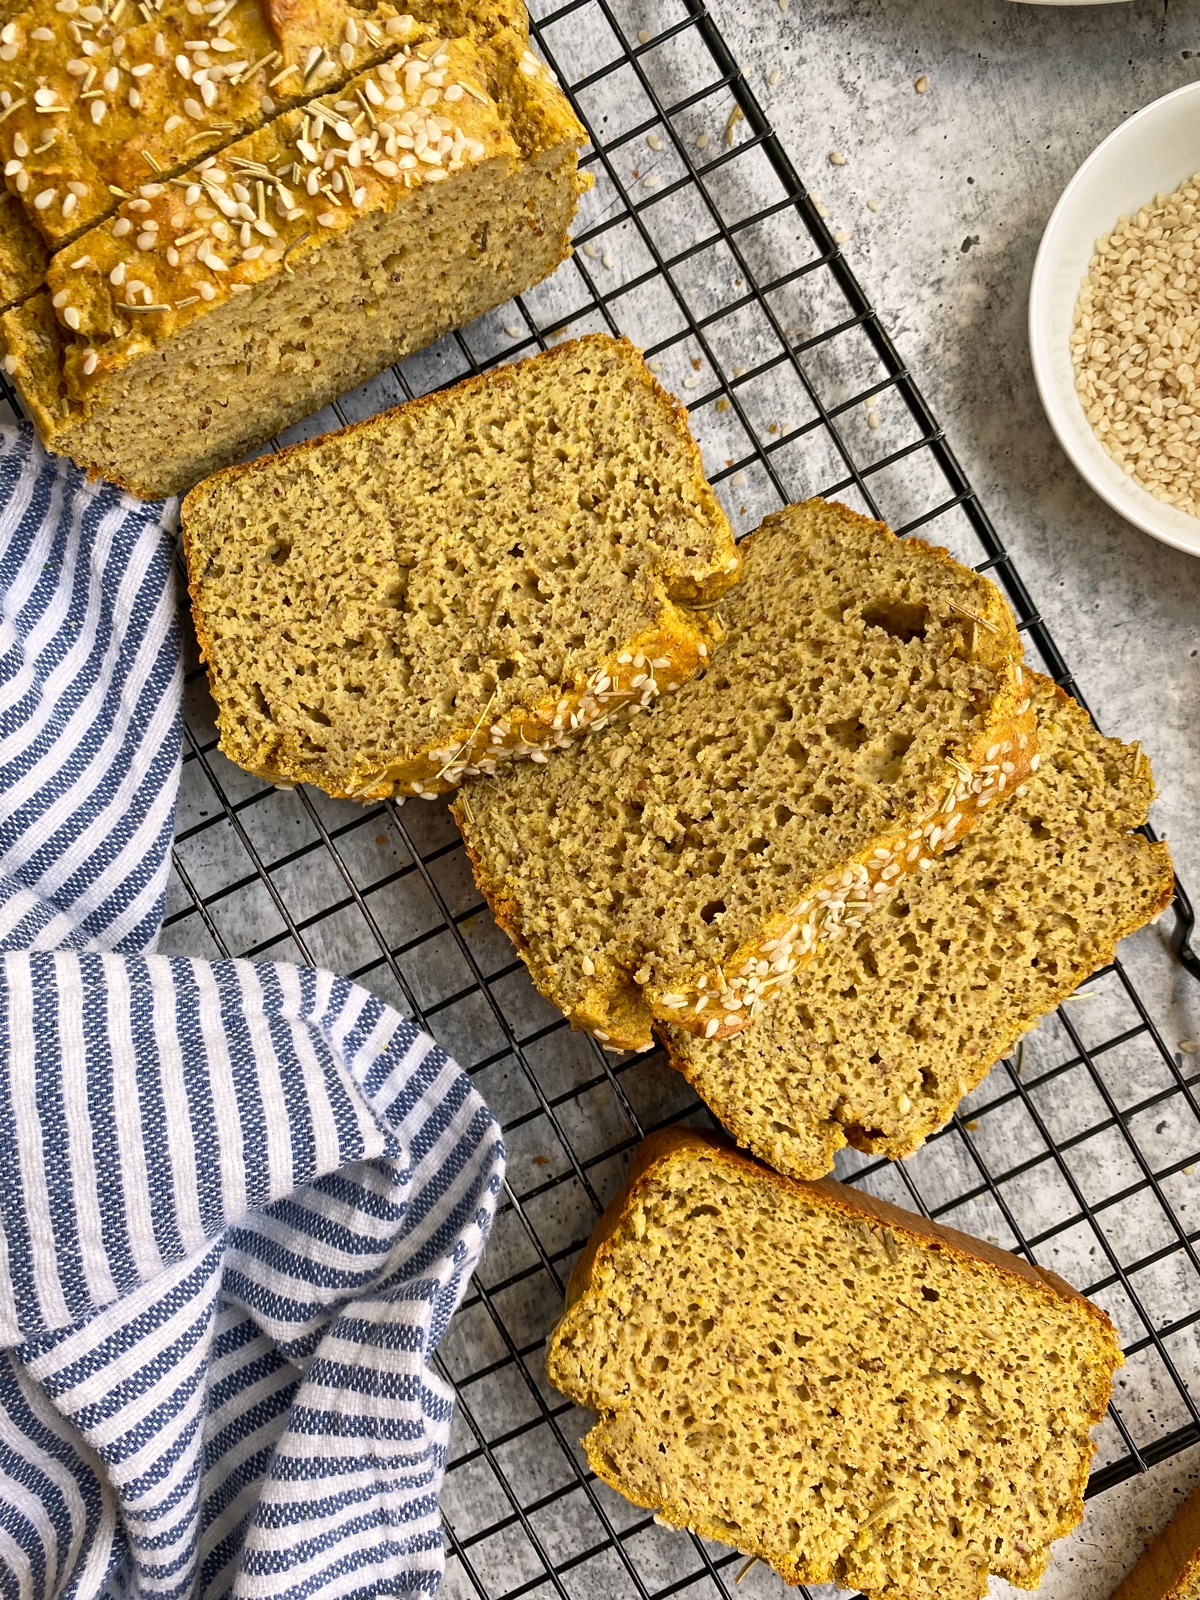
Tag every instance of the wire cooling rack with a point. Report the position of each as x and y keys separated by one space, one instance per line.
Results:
x=699 y=241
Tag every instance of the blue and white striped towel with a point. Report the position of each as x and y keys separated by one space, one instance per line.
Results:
x=238 y=1202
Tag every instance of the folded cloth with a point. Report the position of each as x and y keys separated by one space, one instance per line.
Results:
x=238 y=1202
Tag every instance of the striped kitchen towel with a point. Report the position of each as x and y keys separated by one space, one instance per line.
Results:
x=238 y=1202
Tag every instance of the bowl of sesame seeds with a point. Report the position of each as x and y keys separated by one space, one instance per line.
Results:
x=1114 y=319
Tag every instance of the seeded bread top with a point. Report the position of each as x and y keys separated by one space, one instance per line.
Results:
x=841 y=1388
x=178 y=250
x=867 y=687
x=97 y=98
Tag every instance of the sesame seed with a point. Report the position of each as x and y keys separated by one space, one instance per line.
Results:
x=921 y=84
x=712 y=1026
x=836 y=158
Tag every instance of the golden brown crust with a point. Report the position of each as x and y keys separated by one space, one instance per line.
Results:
x=1169 y=1567
x=138 y=94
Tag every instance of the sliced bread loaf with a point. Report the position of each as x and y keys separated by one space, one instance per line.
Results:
x=480 y=575
x=847 y=1391
x=877 y=1043
x=1169 y=1568
x=225 y=305
x=868 y=701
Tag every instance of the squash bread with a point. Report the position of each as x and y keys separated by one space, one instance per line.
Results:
x=482 y=574
x=877 y=1044
x=97 y=99
x=831 y=1384
x=1169 y=1567
x=218 y=308
x=867 y=703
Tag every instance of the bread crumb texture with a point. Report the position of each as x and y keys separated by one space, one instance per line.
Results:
x=218 y=308
x=867 y=703
x=877 y=1043
x=829 y=1383
x=480 y=575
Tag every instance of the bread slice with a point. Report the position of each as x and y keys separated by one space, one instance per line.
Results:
x=847 y=1391
x=97 y=105
x=867 y=702
x=877 y=1044
x=480 y=575
x=214 y=312
x=1169 y=1568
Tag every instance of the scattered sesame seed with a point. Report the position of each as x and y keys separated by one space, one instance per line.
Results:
x=872 y=205
x=836 y=158
x=701 y=141
x=921 y=85
x=872 y=419
x=650 y=181
x=514 y=330
x=842 y=236
x=643 y=36
x=774 y=76
x=606 y=260
x=1189 y=1046
x=738 y=480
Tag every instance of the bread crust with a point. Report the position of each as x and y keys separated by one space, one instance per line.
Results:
x=657 y=1152
x=1169 y=1567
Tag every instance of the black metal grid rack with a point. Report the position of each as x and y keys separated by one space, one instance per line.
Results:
x=699 y=241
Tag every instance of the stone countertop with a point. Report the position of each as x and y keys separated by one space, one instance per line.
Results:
x=965 y=176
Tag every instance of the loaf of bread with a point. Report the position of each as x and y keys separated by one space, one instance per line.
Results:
x=1169 y=1568
x=835 y=1386
x=877 y=1043
x=866 y=704
x=99 y=99
x=483 y=574
x=222 y=306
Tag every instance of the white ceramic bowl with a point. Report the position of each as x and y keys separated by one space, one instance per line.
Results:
x=1150 y=154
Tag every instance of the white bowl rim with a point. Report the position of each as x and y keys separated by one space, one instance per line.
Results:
x=1128 y=498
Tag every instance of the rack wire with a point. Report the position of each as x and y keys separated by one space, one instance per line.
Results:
x=700 y=242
